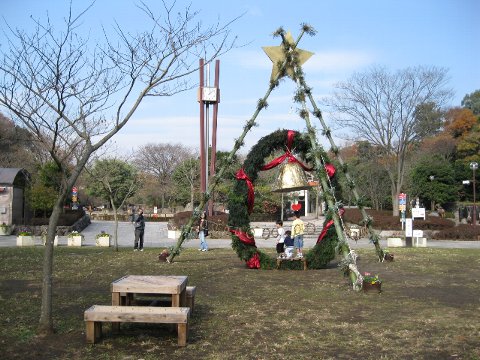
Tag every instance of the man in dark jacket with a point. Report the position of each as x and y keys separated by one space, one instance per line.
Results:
x=139 y=224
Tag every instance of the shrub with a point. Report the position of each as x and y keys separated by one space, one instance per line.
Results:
x=383 y=220
x=216 y=222
x=460 y=232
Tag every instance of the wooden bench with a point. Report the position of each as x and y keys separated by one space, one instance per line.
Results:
x=165 y=300
x=97 y=314
x=303 y=260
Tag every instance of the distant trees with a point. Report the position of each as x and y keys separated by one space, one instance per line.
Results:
x=17 y=148
x=433 y=178
x=115 y=181
x=383 y=108
x=159 y=161
x=186 y=177
x=472 y=102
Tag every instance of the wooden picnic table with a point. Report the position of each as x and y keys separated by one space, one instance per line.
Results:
x=124 y=288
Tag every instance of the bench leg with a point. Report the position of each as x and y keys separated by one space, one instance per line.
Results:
x=93 y=331
x=182 y=330
x=191 y=303
x=115 y=327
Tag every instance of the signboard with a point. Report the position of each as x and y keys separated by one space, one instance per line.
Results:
x=417 y=233
x=408 y=227
x=155 y=209
x=402 y=202
x=418 y=213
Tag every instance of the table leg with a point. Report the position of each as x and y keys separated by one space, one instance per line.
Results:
x=183 y=298
x=116 y=301
x=176 y=300
x=115 y=298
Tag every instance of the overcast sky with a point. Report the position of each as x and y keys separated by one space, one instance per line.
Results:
x=352 y=36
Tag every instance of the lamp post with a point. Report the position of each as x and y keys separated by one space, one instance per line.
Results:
x=474 y=166
x=432 y=202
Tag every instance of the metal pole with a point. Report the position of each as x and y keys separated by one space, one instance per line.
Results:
x=202 y=130
x=474 y=166
x=281 y=213
x=474 y=204
x=207 y=126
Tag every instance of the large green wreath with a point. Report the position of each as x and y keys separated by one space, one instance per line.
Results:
x=320 y=255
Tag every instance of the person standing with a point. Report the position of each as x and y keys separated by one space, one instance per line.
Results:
x=298 y=228
x=203 y=231
x=139 y=225
x=280 y=239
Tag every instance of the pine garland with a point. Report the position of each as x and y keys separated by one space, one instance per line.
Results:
x=239 y=219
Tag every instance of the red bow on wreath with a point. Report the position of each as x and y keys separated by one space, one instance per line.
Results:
x=244 y=237
x=288 y=154
x=241 y=175
x=330 y=169
x=328 y=225
x=254 y=262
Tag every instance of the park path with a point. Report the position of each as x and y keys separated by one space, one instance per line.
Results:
x=156 y=236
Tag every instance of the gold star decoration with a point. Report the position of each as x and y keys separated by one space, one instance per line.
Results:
x=277 y=55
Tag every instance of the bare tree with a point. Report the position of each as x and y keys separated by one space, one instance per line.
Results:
x=379 y=107
x=160 y=160
x=73 y=97
x=187 y=174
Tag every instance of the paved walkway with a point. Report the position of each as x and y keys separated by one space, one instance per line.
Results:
x=156 y=236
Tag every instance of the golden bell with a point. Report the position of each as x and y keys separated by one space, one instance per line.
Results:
x=291 y=177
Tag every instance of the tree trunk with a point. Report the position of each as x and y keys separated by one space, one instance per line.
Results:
x=115 y=216
x=395 y=211
x=46 y=323
x=192 y=194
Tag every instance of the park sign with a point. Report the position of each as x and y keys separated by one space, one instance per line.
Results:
x=418 y=213
x=402 y=206
x=74 y=198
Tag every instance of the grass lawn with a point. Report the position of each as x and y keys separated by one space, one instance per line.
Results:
x=429 y=307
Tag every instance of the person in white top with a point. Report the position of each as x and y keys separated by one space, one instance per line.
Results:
x=280 y=239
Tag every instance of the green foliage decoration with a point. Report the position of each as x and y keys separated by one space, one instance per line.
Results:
x=239 y=218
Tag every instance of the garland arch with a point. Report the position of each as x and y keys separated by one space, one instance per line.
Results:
x=241 y=202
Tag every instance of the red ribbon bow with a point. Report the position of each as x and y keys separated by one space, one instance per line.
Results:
x=241 y=175
x=254 y=262
x=288 y=154
x=328 y=225
x=244 y=237
x=330 y=169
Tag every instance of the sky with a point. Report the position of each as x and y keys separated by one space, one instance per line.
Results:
x=351 y=37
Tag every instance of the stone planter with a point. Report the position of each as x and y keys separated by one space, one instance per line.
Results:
x=173 y=234
x=55 y=241
x=103 y=241
x=5 y=230
x=376 y=287
x=25 y=240
x=419 y=242
x=76 y=240
x=396 y=242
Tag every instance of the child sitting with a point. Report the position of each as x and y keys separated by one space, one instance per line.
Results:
x=288 y=244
